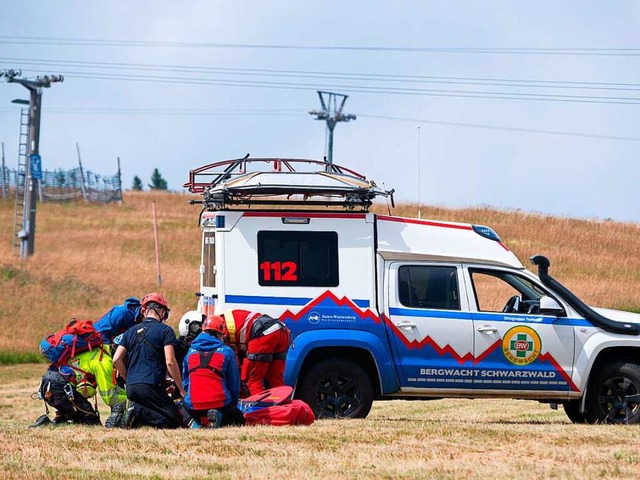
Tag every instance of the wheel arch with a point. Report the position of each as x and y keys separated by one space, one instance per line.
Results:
x=364 y=348
x=358 y=355
x=599 y=349
x=606 y=356
x=615 y=354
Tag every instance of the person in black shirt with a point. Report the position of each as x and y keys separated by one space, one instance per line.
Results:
x=143 y=358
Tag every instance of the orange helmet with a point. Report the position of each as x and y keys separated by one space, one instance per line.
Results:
x=215 y=323
x=154 y=298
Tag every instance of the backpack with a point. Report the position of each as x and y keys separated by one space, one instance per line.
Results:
x=77 y=337
x=275 y=407
x=206 y=380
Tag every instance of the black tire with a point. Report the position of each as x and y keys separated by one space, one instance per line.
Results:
x=613 y=394
x=336 y=388
x=572 y=409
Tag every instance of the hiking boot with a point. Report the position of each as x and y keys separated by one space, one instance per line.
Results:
x=41 y=421
x=215 y=418
x=116 y=419
x=129 y=415
x=59 y=419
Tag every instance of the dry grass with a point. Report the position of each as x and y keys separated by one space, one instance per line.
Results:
x=438 y=439
x=90 y=257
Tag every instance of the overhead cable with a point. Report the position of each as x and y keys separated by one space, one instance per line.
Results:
x=95 y=42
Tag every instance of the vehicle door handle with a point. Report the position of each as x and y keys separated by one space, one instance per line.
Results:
x=406 y=325
x=487 y=329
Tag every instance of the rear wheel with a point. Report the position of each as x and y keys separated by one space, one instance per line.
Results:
x=336 y=388
x=613 y=394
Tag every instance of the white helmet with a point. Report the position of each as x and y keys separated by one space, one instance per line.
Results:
x=189 y=318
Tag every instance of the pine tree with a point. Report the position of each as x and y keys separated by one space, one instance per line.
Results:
x=137 y=184
x=157 y=182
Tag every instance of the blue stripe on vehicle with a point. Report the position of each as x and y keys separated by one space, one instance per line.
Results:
x=410 y=312
x=297 y=301
x=361 y=303
x=489 y=317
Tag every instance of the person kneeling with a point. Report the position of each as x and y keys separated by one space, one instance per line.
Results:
x=211 y=378
x=143 y=358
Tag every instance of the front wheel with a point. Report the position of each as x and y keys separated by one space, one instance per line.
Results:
x=613 y=394
x=336 y=388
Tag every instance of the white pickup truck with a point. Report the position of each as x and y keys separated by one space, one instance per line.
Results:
x=384 y=307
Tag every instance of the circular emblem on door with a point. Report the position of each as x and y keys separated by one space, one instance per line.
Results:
x=521 y=345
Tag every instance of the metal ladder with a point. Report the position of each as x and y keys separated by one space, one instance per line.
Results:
x=23 y=149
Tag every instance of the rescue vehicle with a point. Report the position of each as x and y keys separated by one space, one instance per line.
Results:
x=384 y=307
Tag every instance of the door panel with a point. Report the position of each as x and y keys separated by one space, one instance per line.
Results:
x=516 y=347
x=430 y=327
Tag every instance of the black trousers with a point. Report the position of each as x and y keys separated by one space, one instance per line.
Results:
x=153 y=407
x=231 y=415
x=56 y=391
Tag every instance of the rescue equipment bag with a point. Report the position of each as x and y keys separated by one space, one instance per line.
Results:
x=77 y=337
x=267 y=398
x=275 y=407
x=206 y=387
x=296 y=412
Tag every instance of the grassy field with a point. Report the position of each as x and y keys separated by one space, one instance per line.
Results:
x=90 y=257
x=475 y=439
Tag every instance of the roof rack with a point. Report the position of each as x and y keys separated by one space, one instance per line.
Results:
x=280 y=181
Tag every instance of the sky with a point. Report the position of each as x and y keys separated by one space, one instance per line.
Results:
x=531 y=106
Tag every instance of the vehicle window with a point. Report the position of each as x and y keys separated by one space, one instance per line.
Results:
x=298 y=259
x=209 y=259
x=498 y=291
x=422 y=286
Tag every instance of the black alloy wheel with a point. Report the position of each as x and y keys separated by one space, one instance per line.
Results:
x=613 y=395
x=337 y=389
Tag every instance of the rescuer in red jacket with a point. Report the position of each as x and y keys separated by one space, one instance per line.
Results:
x=261 y=344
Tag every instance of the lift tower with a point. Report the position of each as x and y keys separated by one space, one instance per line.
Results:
x=33 y=166
x=332 y=104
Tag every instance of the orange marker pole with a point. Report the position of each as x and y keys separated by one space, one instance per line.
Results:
x=155 y=236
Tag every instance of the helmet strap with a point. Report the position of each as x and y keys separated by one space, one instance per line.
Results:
x=162 y=314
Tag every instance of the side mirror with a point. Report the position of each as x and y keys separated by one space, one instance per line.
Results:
x=548 y=306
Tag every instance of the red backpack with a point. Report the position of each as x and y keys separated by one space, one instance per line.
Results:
x=77 y=337
x=206 y=389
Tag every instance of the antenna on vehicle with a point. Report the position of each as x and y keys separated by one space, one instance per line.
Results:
x=419 y=179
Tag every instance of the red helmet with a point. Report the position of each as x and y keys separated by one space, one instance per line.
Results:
x=215 y=323
x=154 y=298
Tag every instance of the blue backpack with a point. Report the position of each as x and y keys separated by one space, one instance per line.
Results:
x=77 y=337
x=119 y=319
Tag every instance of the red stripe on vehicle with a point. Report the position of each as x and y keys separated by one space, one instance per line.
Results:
x=339 y=302
x=547 y=357
x=423 y=222
x=285 y=214
x=414 y=344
